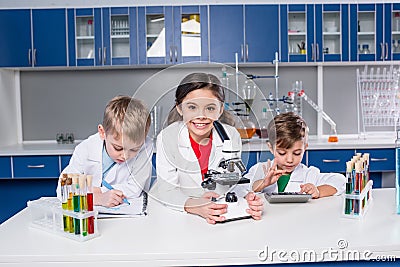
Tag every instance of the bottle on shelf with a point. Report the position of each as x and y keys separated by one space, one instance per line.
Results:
x=396 y=22
x=89 y=28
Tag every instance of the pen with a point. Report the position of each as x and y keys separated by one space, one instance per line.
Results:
x=109 y=187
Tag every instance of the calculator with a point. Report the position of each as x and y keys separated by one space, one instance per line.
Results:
x=287 y=197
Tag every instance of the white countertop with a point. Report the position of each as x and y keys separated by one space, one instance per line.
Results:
x=254 y=144
x=166 y=237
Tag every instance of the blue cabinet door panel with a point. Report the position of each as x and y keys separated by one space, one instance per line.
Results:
x=249 y=159
x=226 y=33
x=133 y=37
x=36 y=166
x=5 y=167
x=380 y=159
x=330 y=160
x=49 y=37
x=64 y=161
x=262 y=34
x=15 y=36
x=284 y=53
x=345 y=32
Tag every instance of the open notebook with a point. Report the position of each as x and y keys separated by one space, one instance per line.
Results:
x=137 y=208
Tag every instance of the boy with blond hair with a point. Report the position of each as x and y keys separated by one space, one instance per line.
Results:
x=118 y=155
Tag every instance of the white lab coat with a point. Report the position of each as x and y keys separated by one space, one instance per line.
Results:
x=178 y=170
x=131 y=177
x=300 y=175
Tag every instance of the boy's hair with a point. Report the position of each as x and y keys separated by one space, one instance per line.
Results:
x=286 y=129
x=126 y=116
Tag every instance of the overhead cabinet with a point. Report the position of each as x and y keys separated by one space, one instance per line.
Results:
x=314 y=33
x=375 y=32
x=33 y=38
x=250 y=31
x=172 y=35
x=102 y=36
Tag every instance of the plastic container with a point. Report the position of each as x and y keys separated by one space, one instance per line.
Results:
x=355 y=205
x=48 y=215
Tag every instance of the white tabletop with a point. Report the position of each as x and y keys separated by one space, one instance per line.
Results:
x=166 y=237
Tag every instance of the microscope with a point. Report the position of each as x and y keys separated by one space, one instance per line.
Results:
x=228 y=174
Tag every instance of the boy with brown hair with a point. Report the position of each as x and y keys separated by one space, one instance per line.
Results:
x=288 y=140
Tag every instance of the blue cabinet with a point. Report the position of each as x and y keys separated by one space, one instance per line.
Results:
x=36 y=166
x=64 y=160
x=5 y=167
x=33 y=38
x=172 y=35
x=102 y=36
x=330 y=160
x=251 y=31
x=314 y=33
x=374 y=32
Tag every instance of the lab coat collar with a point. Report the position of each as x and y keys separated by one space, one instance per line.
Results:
x=97 y=143
x=184 y=141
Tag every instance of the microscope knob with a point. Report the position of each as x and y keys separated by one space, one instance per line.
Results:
x=208 y=184
x=231 y=197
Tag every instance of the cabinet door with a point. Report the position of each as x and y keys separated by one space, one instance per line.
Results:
x=36 y=166
x=332 y=36
x=365 y=40
x=64 y=162
x=329 y=160
x=15 y=36
x=82 y=26
x=295 y=26
x=190 y=34
x=226 y=33
x=392 y=37
x=49 y=37
x=5 y=167
x=262 y=35
x=154 y=32
x=380 y=160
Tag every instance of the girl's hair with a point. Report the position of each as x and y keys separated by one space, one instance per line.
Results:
x=126 y=116
x=196 y=81
x=286 y=129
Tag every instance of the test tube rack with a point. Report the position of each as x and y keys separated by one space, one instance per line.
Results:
x=48 y=215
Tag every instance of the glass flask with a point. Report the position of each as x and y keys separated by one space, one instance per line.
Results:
x=261 y=130
x=245 y=126
x=248 y=93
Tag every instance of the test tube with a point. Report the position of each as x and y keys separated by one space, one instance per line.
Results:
x=90 y=203
x=70 y=207
x=64 y=200
x=349 y=187
x=76 y=202
x=83 y=202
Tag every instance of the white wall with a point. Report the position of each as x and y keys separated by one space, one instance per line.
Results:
x=9 y=113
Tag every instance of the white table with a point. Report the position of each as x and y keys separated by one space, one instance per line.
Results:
x=167 y=237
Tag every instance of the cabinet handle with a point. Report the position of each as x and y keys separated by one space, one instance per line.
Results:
x=104 y=55
x=170 y=54
x=331 y=160
x=387 y=51
x=312 y=52
x=41 y=166
x=382 y=159
x=241 y=52
x=29 y=56
x=176 y=54
x=382 y=51
x=34 y=56
x=317 y=50
x=100 y=55
x=247 y=52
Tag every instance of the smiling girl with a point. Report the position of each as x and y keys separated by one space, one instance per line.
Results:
x=190 y=146
x=288 y=140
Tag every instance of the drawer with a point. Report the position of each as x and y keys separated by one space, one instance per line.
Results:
x=380 y=159
x=65 y=161
x=330 y=160
x=5 y=167
x=36 y=166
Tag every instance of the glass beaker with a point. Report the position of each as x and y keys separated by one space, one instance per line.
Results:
x=248 y=93
x=262 y=129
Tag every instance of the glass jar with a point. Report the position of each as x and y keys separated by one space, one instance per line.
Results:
x=365 y=49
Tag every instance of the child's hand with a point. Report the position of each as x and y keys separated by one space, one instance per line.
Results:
x=256 y=205
x=207 y=209
x=309 y=189
x=110 y=198
x=271 y=175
